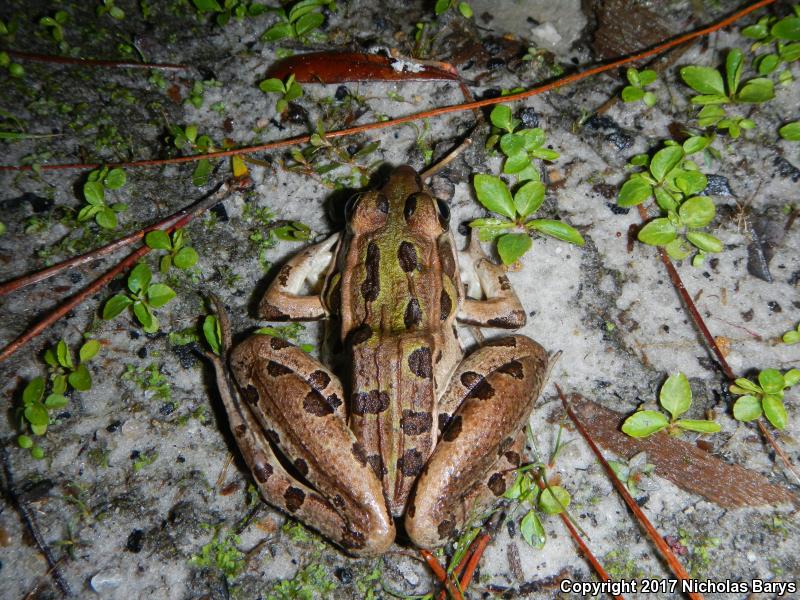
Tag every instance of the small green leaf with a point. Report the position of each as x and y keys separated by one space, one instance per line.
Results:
x=512 y=144
x=704 y=80
x=532 y=530
x=678 y=249
x=278 y=31
x=106 y=218
x=59 y=384
x=757 y=90
x=790 y=131
x=710 y=99
x=647 y=76
x=501 y=117
x=791 y=337
x=516 y=163
x=676 y=395
x=207 y=5
x=733 y=69
x=37 y=452
x=747 y=408
x=745 y=384
x=705 y=241
x=159 y=294
x=698 y=211
x=649 y=98
x=494 y=194
x=185 y=257
x=80 y=379
x=552 y=499
x=658 y=232
x=709 y=115
x=556 y=229
x=56 y=401
x=529 y=198
x=691 y=182
x=37 y=415
x=771 y=381
x=512 y=246
x=696 y=143
x=158 y=240
x=665 y=160
x=787 y=28
x=201 y=172
x=212 y=333
x=89 y=350
x=115 y=305
x=94 y=192
x=115 y=179
x=308 y=22
x=634 y=191
x=791 y=377
x=700 y=426
x=644 y=422
x=64 y=356
x=632 y=94
x=767 y=64
x=50 y=357
x=24 y=441
x=774 y=410
x=533 y=138
x=144 y=316
x=139 y=278
x=441 y=6
x=33 y=391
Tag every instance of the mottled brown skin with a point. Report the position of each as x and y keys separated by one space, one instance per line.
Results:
x=424 y=433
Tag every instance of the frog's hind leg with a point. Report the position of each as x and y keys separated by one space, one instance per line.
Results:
x=289 y=423
x=483 y=413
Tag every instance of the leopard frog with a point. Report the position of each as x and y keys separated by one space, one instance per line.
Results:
x=423 y=433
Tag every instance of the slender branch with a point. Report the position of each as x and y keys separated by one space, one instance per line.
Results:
x=778 y=450
x=89 y=62
x=435 y=112
x=672 y=561
x=104 y=279
x=441 y=574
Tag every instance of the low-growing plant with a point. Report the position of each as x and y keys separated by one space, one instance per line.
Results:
x=230 y=9
x=64 y=372
x=442 y=6
x=792 y=336
x=144 y=296
x=638 y=81
x=56 y=25
x=221 y=553
x=34 y=414
x=764 y=397
x=178 y=253
x=712 y=89
x=771 y=29
x=289 y=90
x=110 y=8
x=790 y=131
x=520 y=146
x=14 y=69
x=94 y=192
x=188 y=139
x=513 y=232
x=300 y=22
x=312 y=581
x=635 y=473
x=676 y=398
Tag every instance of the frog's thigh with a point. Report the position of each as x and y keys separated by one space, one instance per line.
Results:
x=295 y=403
x=492 y=394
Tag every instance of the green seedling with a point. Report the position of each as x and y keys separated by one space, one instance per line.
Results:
x=764 y=397
x=310 y=582
x=188 y=139
x=14 y=69
x=289 y=91
x=64 y=372
x=442 y=6
x=792 y=336
x=34 y=414
x=212 y=333
x=222 y=554
x=636 y=473
x=178 y=253
x=110 y=8
x=676 y=398
x=639 y=80
x=784 y=33
x=713 y=115
x=230 y=9
x=144 y=296
x=711 y=88
x=512 y=243
x=56 y=25
x=520 y=146
x=94 y=191
x=790 y=131
x=301 y=22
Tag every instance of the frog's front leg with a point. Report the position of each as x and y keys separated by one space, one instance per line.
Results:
x=283 y=300
x=289 y=423
x=488 y=402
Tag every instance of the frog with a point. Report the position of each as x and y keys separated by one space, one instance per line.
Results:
x=416 y=436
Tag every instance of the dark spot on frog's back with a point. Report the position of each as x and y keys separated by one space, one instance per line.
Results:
x=250 y=394
x=446 y=529
x=413 y=314
x=359 y=335
x=283 y=275
x=514 y=319
x=447 y=259
x=359 y=453
x=353 y=540
x=445 y=306
x=376 y=462
x=269 y=312
x=407 y=255
x=371 y=286
x=262 y=471
x=279 y=344
x=319 y=379
x=453 y=429
x=469 y=379
x=503 y=341
x=294 y=498
x=497 y=483
x=316 y=405
x=482 y=391
x=505 y=284
x=419 y=362
x=370 y=403
x=301 y=466
x=277 y=370
x=513 y=368
x=416 y=423
x=411 y=463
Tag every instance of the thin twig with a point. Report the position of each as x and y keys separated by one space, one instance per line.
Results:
x=663 y=548
x=90 y=62
x=441 y=574
x=778 y=450
x=435 y=112
x=30 y=522
x=103 y=280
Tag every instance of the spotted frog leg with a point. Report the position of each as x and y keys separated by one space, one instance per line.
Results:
x=484 y=411
x=289 y=422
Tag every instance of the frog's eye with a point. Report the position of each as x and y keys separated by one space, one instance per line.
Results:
x=444 y=213
x=350 y=207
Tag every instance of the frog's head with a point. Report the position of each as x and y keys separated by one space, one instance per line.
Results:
x=401 y=204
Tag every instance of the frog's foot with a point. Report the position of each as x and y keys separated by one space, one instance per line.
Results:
x=494 y=303
x=490 y=398
x=290 y=425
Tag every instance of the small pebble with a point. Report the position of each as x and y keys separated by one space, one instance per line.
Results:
x=106 y=581
x=135 y=541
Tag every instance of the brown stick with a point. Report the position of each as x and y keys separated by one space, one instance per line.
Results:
x=435 y=112
x=672 y=561
x=104 y=279
x=441 y=574
x=89 y=62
